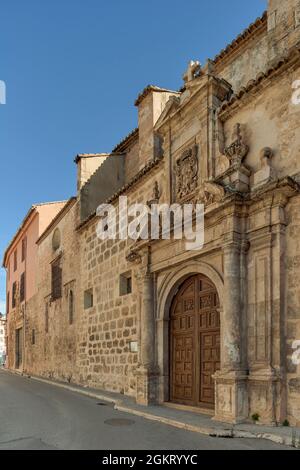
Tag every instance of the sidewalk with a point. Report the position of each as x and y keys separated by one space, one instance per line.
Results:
x=188 y=420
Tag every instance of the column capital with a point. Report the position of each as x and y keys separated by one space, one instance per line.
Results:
x=232 y=246
x=238 y=245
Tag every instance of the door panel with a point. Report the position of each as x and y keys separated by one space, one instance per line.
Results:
x=183 y=379
x=209 y=363
x=194 y=342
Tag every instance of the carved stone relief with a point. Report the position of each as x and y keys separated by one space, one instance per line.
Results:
x=133 y=257
x=186 y=172
x=210 y=193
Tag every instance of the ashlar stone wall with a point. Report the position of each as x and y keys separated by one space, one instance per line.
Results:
x=107 y=329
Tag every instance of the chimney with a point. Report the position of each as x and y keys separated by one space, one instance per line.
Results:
x=151 y=103
x=87 y=164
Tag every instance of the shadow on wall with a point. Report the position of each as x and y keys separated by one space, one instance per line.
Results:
x=106 y=181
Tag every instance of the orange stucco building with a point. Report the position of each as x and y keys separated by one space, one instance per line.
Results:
x=20 y=262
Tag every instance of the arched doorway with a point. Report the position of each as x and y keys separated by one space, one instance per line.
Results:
x=194 y=342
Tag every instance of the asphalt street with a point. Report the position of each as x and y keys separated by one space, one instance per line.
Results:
x=35 y=415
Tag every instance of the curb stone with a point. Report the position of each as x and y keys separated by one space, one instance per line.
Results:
x=76 y=390
x=208 y=431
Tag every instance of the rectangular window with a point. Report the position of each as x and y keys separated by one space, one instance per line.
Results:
x=15 y=260
x=129 y=285
x=56 y=280
x=22 y=287
x=125 y=283
x=7 y=303
x=33 y=337
x=24 y=244
x=88 y=299
x=14 y=293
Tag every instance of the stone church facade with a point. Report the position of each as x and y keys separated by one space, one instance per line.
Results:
x=210 y=328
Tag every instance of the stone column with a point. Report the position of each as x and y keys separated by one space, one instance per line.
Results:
x=147 y=377
x=231 y=385
x=231 y=357
x=147 y=323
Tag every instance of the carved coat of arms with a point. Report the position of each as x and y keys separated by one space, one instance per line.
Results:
x=186 y=171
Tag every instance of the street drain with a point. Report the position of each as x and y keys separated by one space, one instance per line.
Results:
x=101 y=404
x=119 y=422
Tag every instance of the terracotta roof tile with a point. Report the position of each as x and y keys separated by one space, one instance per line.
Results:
x=262 y=76
x=124 y=142
x=259 y=23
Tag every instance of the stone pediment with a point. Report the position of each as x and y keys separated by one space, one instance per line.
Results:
x=196 y=79
x=172 y=105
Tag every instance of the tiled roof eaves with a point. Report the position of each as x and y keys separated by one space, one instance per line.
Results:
x=133 y=135
x=259 y=24
x=58 y=216
x=252 y=85
x=23 y=224
x=27 y=217
x=139 y=176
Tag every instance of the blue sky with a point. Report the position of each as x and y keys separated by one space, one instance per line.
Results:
x=73 y=69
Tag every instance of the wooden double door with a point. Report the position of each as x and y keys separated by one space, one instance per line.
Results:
x=194 y=343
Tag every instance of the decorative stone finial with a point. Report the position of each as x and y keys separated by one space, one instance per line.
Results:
x=193 y=68
x=155 y=195
x=237 y=151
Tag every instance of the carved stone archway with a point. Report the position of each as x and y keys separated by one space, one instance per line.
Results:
x=166 y=290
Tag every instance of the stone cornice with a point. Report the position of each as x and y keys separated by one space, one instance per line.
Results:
x=286 y=186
